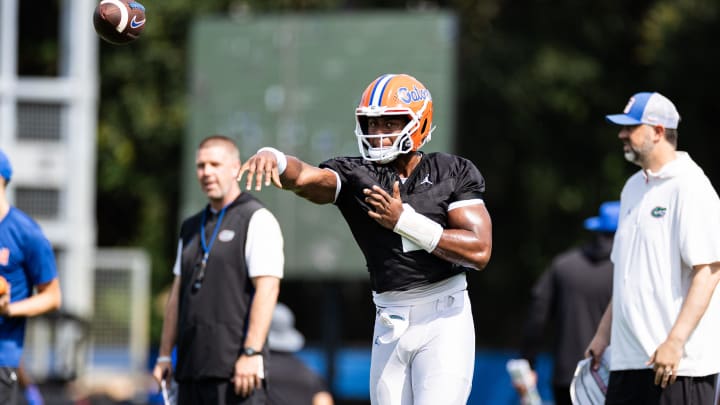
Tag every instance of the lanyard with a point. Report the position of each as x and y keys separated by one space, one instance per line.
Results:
x=207 y=246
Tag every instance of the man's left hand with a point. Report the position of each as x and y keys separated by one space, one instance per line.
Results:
x=665 y=362
x=386 y=208
x=5 y=303
x=247 y=375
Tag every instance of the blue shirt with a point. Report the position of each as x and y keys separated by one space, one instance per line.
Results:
x=26 y=260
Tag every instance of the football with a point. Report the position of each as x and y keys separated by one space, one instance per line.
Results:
x=119 y=21
x=4 y=286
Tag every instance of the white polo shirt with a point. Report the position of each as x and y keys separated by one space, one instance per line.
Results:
x=669 y=221
x=263 y=247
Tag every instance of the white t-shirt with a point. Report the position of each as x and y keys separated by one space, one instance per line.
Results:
x=263 y=246
x=669 y=222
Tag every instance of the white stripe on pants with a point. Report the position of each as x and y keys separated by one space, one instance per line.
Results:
x=430 y=363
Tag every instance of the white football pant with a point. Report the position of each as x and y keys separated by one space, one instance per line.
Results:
x=423 y=354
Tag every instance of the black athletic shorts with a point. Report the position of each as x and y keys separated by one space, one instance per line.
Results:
x=637 y=387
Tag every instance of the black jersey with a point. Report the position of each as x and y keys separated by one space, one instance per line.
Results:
x=439 y=180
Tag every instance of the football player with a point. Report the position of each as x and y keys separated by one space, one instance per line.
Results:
x=421 y=224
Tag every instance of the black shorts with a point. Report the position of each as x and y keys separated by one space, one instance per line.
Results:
x=8 y=385
x=637 y=387
x=217 y=392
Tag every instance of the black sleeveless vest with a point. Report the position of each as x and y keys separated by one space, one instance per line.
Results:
x=212 y=321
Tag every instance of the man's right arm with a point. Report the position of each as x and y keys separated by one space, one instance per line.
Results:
x=47 y=298
x=163 y=367
x=288 y=172
x=601 y=340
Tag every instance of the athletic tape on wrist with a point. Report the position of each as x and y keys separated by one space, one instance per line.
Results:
x=418 y=228
x=163 y=359
x=279 y=156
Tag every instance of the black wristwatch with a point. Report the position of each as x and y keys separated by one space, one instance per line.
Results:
x=249 y=351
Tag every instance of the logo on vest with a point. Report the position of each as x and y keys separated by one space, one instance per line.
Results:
x=226 y=235
x=658 y=212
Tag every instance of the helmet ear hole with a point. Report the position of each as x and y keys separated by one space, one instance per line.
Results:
x=408 y=144
x=424 y=125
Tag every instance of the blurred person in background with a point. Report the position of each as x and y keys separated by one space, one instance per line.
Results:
x=227 y=277
x=290 y=381
x=572 y=294
x=663 y=318
x=420 y=221
x=27 y=262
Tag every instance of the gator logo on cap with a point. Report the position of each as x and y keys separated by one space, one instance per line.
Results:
x=658 y=212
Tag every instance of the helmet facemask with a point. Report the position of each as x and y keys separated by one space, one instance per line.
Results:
x=403 y=143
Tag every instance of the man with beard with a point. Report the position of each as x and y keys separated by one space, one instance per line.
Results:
x=662 y=320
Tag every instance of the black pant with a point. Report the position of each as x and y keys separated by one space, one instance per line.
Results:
x=8 y=386
x=637 y=387
x=561 y=393
x=216 y=392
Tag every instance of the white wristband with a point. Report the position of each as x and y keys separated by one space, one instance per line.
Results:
x=163 y=359
x=279 y=156
x=418 y=228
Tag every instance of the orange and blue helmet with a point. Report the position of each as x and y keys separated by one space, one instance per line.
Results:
x=395 y=95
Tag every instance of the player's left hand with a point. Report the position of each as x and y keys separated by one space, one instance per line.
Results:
x=246 y=378
x=386 y=208
x=665 y=362
x=5 y=303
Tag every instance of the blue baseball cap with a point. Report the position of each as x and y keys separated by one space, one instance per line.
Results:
x=5 y=167
x=607 y=220
x=647 y=108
